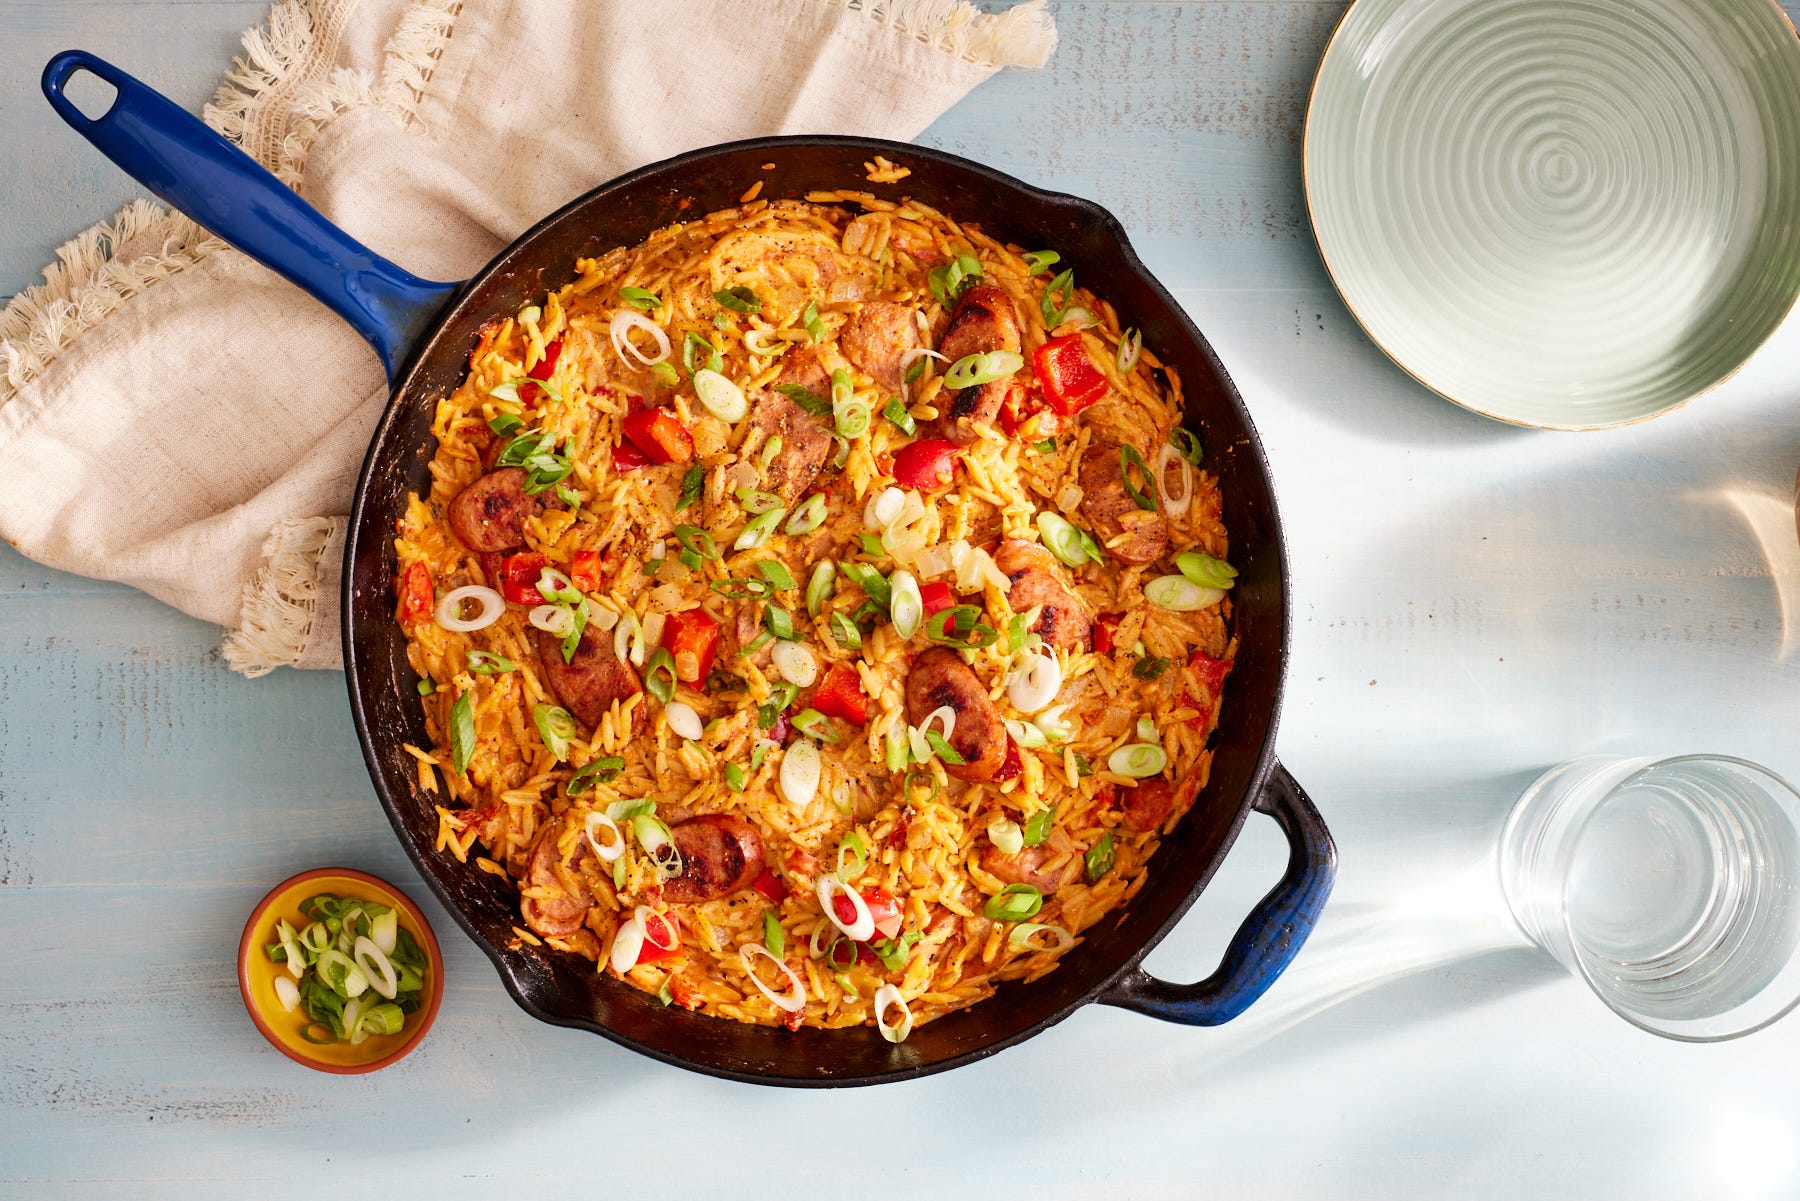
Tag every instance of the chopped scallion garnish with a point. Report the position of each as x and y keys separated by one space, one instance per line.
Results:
x=1039 y=261
x=974 y=369
x=896 y=412
x=739 y=300
x=487 y=663
x=1099 y=858
x=1014 y=903
x=821 y=587
x=1130 y=346
x=1139 y=482
x=1053 y=308
x=596 y=771
x=815 y=328
x=776 y=573
x=640 y=298
x=1187 y=444
x=692 y=480
x=659 y=675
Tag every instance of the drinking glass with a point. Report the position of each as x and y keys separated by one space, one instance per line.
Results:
x=1667 y=884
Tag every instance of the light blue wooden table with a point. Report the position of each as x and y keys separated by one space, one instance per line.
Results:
x=1473 y=603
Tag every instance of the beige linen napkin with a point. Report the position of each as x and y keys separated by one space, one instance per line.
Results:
x=176 y=417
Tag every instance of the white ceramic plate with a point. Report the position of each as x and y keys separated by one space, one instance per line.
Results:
x=1561 y=213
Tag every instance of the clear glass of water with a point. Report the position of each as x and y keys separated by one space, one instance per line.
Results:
x=1669 y=885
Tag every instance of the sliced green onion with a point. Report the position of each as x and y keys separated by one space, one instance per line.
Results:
x=815 y=328
x=1179 y=594
x=692 y=537
x=776 y=573
x=1022 y=934
x=779 y=622
x=1099 y=859
x=721 y=321
x=555 y=726
x=1150 y=669
x=1014 y=903
x=1039 y=261
x=426 y=687
x=1129 y=461
x=1005 y=835
x=907 y=785
x=915 y=371
x=906 y=607
x=756 y=530
x=943 y=750
x=1072 y=545
x=809 y=516
x=852 y=846
x=691 y=344
x=1082 y=767
x=659 y=675
x=733 y=589
x=949 y=282
x=572 y=498
x=774 y=937
x=871 y=582
x=1037 y=826
x=1015 y=634
x=755 y=501
x=692 y=480
x=1138 y=761
x=822 y=587
x=722 y=398
x=1130 y=346
x=531 y=314
x=755 y=644
x=734 y=777
x=510 y=389
x=1055 y=310
x=973 y=369
x=462 y=732
x=957 y=626
x=1205 y=570
x=851 y=417
x=640 y=298
x=1146 y=730
x=872 y=547
x=897 y=750
x=663 y=994
x=665 y=373
x=1046 y=447
x=895 y=953
x=896 y=412
x=739 y=300
x=596 y=771
x=814 y=724
x=1187 y=444
x=806 y=398
x=505 y=425
x=844 y=632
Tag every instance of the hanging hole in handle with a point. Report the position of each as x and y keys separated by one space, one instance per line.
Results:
x=91 y=95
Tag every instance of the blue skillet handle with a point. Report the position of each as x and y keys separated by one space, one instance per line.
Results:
x=176 y=156
x=1269 y=938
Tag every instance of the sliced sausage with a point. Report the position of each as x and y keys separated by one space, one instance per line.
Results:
x=939 y=677
x=1025 y=866
x=489 y=515
x=563 y=913
x=1147 y=806
x=1038 y=583
x=720 y=854
x=591 y=680
x=805 y=445
x=877 y=338
x=982 y=321
x=1111 y=511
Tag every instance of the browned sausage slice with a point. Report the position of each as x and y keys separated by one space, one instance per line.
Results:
x=939 y=677
x=720 y=854
x=489 y=515
x=1024 y=867
x=591 y=680
x=1111 y=511
x=805 y=445
x=877 y=338
x=1147 y=806
x=559 y=915
x=982 y=321
x=1038 y=583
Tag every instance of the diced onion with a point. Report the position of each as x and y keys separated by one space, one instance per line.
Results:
x=601 y=615
x=795 y=664
x=1138 y=761
x=1179 y=594
x=798 y=779
x=609 y=849
x=794 y=999
x=556 y=620
x=906 y=606
x=1172 y=504
x=1035 y=685
x=287 y=992
x=1060 y=939
x=683 y=720
x=1006 y=836
x=377 y=967
x=742 y=475
x=888 y=997
x=1026 y=734
x=449 y=608
x=884 y=508
x=626 y=320
x=859 y=930
x=722 y=398
x=627 y=945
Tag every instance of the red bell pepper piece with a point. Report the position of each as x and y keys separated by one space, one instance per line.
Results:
x=692 y=636
x=770 y=885
x=1211 y=672
x=1010 y=766
x=584 y=570
x=627 y=457
x=416 y=595
x=840 y=695
x=519 y=576
x=1068 y=376
x=660 y=435
x=1106 y=626
x=662 y=939
x=937 y=597
x=928 y=464
x=546 y=367
x=882 y=907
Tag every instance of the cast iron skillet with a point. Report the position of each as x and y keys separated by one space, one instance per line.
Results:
x=423 y=332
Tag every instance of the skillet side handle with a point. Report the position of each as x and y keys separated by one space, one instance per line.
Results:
x=177 y=157
x=1269 y=938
